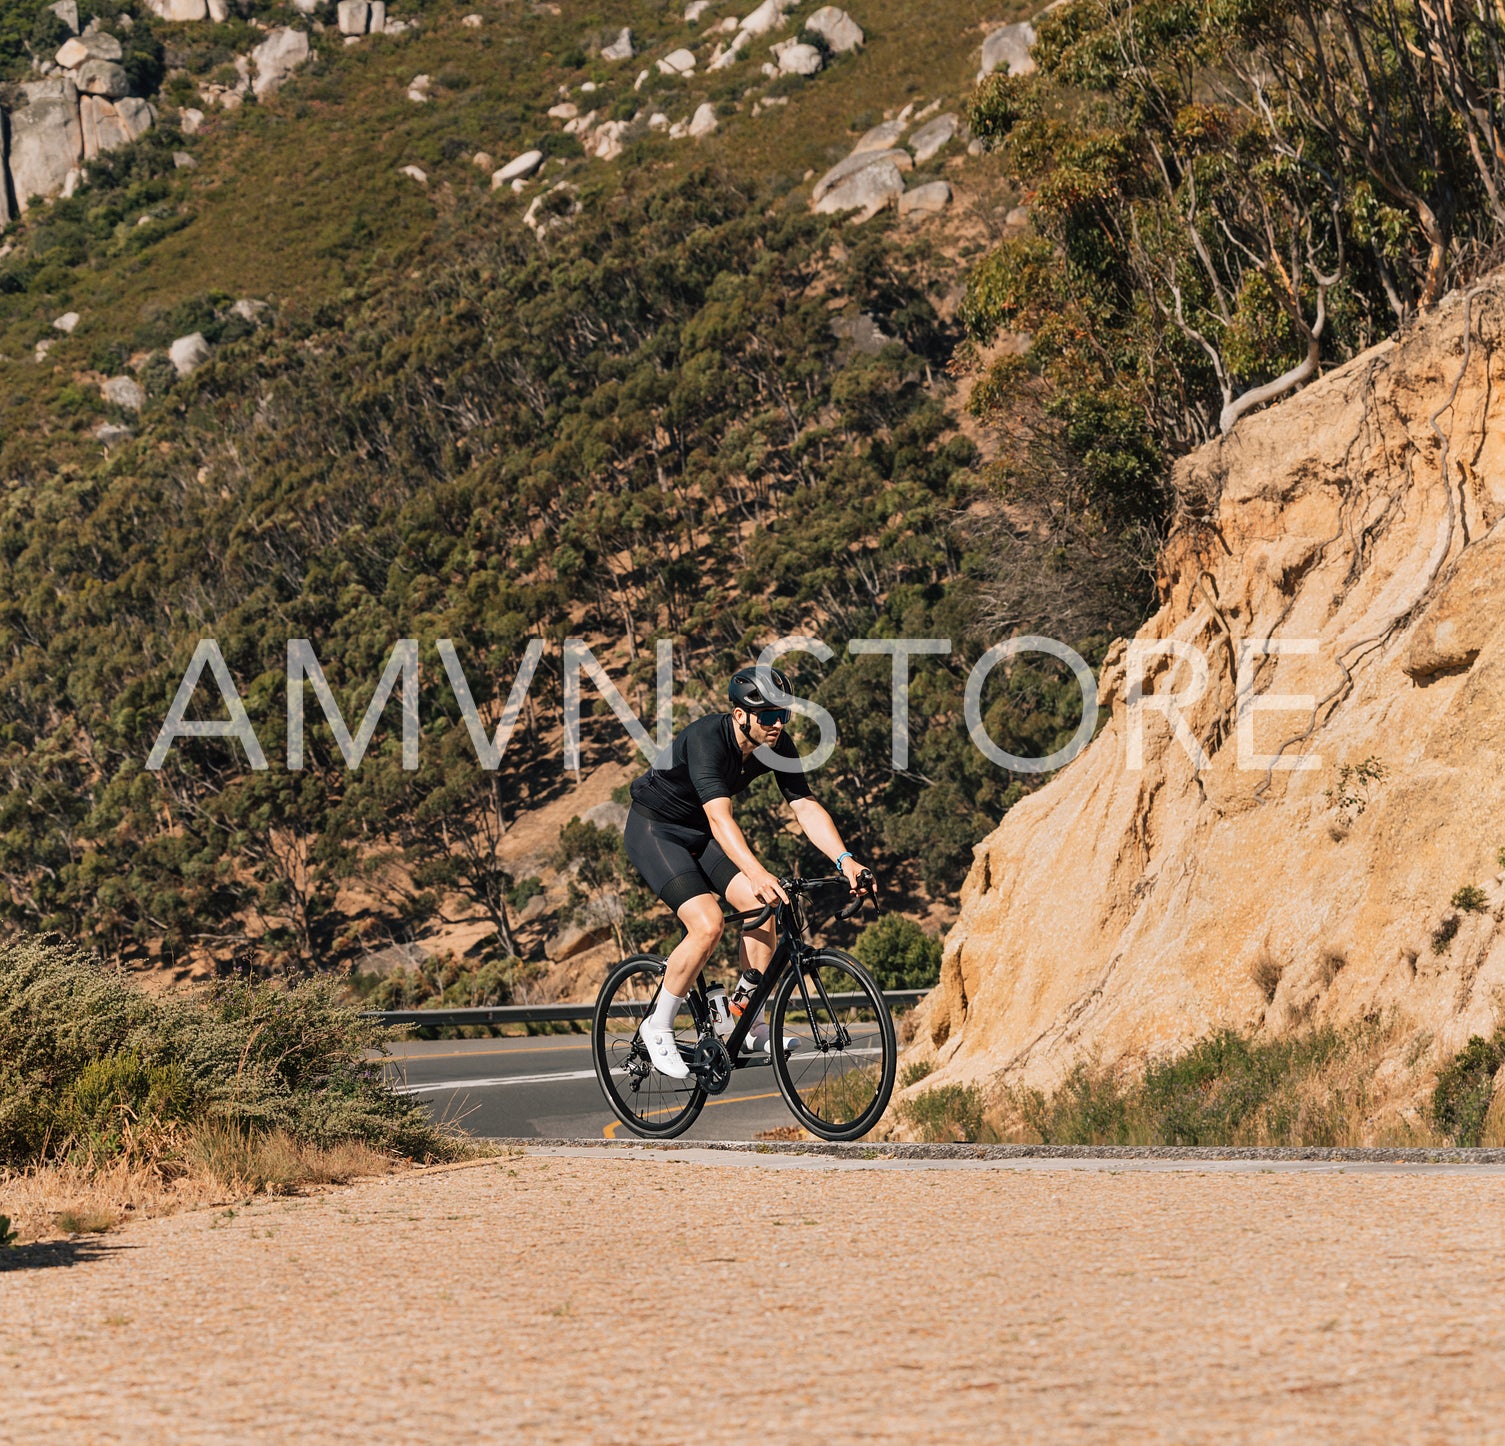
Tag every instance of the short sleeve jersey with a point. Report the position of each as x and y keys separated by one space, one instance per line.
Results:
x=705 y=763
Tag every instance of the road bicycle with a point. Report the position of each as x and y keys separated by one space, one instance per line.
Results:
x=837 y=1076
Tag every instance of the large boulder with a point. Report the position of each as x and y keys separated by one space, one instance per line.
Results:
x=67 y=12
x=882 y=137
x=354 y=16
x=856 y=162
x=98 y=46
x=103 y=77
x=929 y=198
x=124 y=392
x=608 y=815
x=620 y=48
x=276 y=58
x=930 y=137
x=46 y=141
x=179 y=10
x=189 y=353
x=799 y=60
x=103 y=129
x=517 y=169
x=869 y=190
x=136 y=115
x=836 y=28
x=768 y=16
x=1009 y=49
x=704 y=121
x=677 y=62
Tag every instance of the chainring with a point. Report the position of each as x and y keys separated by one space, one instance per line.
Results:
x=711 y=1064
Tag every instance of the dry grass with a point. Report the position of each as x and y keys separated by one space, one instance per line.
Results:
x=1356 y=1087
x=218 y=1164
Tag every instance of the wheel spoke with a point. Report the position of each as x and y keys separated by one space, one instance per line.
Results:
x=647 y=1102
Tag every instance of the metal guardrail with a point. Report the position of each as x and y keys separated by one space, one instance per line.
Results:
x=571 y=1013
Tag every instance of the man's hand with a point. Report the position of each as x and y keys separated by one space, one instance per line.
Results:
x=765 y=886
x=853 y=872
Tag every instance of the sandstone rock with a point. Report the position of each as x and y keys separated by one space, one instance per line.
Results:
x=620 y=48
x=520 y=166
x=838 y=29
x=376 y=23
x=1138 y=902
x=110 y=434
x=124 y=392
x=608 y=140
x=925 y=199
x=190 y=120
x=46 y=140
x=276 y=58
x=768 y=16
x=799 y=60
x=565 y=110
x=472 y=22
x=552 y=209
x=250 y=308
x=1009 y=48
x=483 y=161
x=182 y=161
x=658 y=121
x=67 y=12
x=721 y=59
x=103 y=77
x=704 y=121
x=882 y=137
x=353 y=16
x=397 y=27
x=101 y=126
x=219 y=11
x=927 y=140
x=136 y=115
x=306 y=7
x=39 y=352
x=189 y=353
x=1017 y=216
x=415 y=173
x=535 y=908
x=183 y=11
x=677 y=62
x=66 y=322
x=695 y=9
x=575 y=939
x=869 y=190
x=859 y=335
x=856 y=162
x=98 y=46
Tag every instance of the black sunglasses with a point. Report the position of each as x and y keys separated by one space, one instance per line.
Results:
x=767 y=717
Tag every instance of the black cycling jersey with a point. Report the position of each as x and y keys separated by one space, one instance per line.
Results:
x=705 y=763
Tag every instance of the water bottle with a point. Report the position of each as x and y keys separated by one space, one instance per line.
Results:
x=721 y=1010
x=744 y=991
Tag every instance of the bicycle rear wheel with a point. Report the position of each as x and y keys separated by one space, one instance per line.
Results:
x=838 y=1079
x=647 y=1102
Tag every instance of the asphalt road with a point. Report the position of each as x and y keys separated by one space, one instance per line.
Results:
x=544 y=1086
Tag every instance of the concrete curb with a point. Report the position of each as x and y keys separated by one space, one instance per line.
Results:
x=897 y=1150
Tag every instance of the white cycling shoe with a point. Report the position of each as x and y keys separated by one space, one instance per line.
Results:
x=662 y=1050
x=759 y=1042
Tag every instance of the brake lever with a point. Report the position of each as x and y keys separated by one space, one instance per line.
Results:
x=867 y=888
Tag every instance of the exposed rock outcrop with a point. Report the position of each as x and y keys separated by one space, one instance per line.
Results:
x=1008 y=49
x=836 y=28
x=1138 y=901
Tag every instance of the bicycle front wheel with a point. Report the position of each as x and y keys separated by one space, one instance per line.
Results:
x=647 y=1102
x=839 y=1075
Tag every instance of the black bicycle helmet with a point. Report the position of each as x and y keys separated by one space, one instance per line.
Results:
x=745 y=692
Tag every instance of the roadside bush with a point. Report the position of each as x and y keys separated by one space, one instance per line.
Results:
x=948 y=1114
x=90 y=1066
x=1460 y=1103
x=900 y=954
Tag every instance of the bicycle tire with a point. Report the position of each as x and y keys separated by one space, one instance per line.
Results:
x=649 y=1104
x=807 y=1078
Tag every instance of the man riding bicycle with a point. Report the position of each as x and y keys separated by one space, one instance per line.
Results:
x=682 y=838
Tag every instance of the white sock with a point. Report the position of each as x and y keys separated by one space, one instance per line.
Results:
x=665 y=1010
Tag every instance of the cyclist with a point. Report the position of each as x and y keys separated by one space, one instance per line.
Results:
x=682 y=838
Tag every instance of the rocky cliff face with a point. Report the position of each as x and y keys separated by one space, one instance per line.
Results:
x=1133 y=906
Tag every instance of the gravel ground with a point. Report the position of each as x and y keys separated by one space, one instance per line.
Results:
x=573 y=1298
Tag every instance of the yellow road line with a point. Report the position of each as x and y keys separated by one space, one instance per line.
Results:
x=609 y=1132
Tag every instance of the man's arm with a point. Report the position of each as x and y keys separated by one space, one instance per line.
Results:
x=726 y=832
x=820 y=828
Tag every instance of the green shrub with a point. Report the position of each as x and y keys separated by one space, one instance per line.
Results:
x=1470 y=899
x=1444 y=934
x=89 y=1062
x=1461 y=1099
x=899 y=953
x=949 y=1113
x=915 y=1071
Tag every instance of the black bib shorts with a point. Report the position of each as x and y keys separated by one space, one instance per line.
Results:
x=677 y=862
